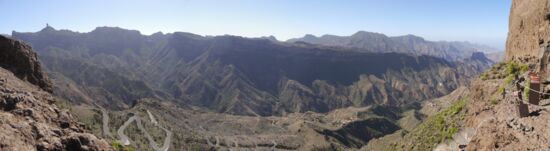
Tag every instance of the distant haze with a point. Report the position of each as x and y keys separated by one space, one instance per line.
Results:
x=483 y=22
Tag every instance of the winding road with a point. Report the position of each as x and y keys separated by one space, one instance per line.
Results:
x=105 y=116
x=123 y=138
x=126 y=141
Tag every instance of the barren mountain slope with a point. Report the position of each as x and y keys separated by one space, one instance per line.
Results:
x=29 y=119
x=489 y=119
x=236 y=75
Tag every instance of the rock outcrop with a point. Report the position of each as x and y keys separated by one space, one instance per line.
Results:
x=19 y=58
x=492 y=120
x=529 y=27
x=29 y=119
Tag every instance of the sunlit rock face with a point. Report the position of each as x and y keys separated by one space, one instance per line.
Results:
x=529 y=28
x=29 y=119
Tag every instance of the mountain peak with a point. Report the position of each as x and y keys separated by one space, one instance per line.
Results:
x=47 y=28
x=308 y=36
x=270 y=38
x=413 y=36
x=117 y=30
x=362 y=33
x=410 y=38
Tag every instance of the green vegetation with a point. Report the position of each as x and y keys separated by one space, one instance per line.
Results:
x=509 y=79
x=493 y=73
x=494 y=101
x=496 y=97
x=89 y=117
x=526 y=89
x=505 y=70
x=119 y=147
x=62 y=104
x=436 y=129
x=501 y=90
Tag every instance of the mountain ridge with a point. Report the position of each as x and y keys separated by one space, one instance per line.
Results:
x=407 y=44
x=186 y=68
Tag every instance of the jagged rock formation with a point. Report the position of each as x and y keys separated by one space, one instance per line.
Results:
x=237 y=75
x=409 y=44
x=529 y=27
x=19 y=58
x=29 y=120
x=495 y=120
x=491 y=117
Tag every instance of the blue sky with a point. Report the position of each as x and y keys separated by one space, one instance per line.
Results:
x=478 y=21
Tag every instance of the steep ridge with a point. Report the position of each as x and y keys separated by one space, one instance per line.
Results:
x=316 y=79
x=407 y=44
x=23 y=62
x=489 y=118
x=237 y=75
x=29 y=118
x=496 y=129
x=90 y=71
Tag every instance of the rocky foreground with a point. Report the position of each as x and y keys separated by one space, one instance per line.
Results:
x=29 y=118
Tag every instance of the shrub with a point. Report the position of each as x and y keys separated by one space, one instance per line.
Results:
x=436 y=129
x=512 y=68
x=509 y=79
x=504 y=70
x=484 y=76
x=119 y=147
x=523 y=68
x=501 y=90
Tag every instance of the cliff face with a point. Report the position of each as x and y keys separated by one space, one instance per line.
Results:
x=528 y=28
x=19 y=58
x=29 y=119
x=491 y=119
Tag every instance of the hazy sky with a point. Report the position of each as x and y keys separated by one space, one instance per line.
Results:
x=478 y=21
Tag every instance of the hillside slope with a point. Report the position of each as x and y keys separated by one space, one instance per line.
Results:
x=490 y=118
x=29 y=119
x=236 y=75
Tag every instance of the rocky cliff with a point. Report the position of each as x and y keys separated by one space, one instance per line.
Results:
x=19 y=58
x=529 y=27
x=29 y=119
x=490 y=117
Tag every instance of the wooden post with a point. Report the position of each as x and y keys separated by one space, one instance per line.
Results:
x=523 y=110
x=534 y=97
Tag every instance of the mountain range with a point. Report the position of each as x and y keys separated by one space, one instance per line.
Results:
x=407 y=44
x=117 y=89
x=245 y=76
